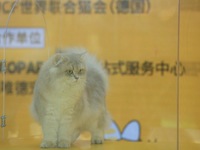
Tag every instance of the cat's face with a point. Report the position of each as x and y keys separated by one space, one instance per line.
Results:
x=70 y=68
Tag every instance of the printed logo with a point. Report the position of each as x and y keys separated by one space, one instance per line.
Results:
x=131 y=132
x=22 y=37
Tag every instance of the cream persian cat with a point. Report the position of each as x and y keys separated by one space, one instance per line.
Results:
x=69 y=97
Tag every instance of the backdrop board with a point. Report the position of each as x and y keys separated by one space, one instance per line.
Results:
x=139 y=42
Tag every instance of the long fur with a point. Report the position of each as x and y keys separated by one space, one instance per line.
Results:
x=66 y=104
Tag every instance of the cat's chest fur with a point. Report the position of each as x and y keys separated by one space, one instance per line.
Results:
x=63 y=97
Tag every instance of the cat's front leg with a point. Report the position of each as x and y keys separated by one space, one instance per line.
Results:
x=65 y=133
x=66 y=142
x=50 y=128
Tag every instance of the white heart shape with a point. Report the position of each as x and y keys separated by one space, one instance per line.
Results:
x=132 y=131
x=114 y=133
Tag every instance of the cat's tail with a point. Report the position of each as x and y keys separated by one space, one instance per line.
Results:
x=105 y=120
x=33 y=111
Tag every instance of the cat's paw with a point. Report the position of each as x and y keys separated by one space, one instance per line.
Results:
x=97 y=140
x=63 y=144
x=48 y=144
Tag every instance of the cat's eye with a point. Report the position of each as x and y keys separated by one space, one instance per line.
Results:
x=81 y=71
x=69 y=72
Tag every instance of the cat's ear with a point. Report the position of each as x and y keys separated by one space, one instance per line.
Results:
x=58 y=59
x=82 y=55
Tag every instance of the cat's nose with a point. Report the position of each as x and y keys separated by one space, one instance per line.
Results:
x=76 y=77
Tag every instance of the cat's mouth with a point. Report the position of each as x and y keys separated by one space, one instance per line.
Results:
x=76 y=80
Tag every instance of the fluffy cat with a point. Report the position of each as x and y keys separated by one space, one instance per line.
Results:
x=69 y=97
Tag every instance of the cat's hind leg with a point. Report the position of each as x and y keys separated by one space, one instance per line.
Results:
x=97 y=133
x=98 y=127
x=97 y=136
